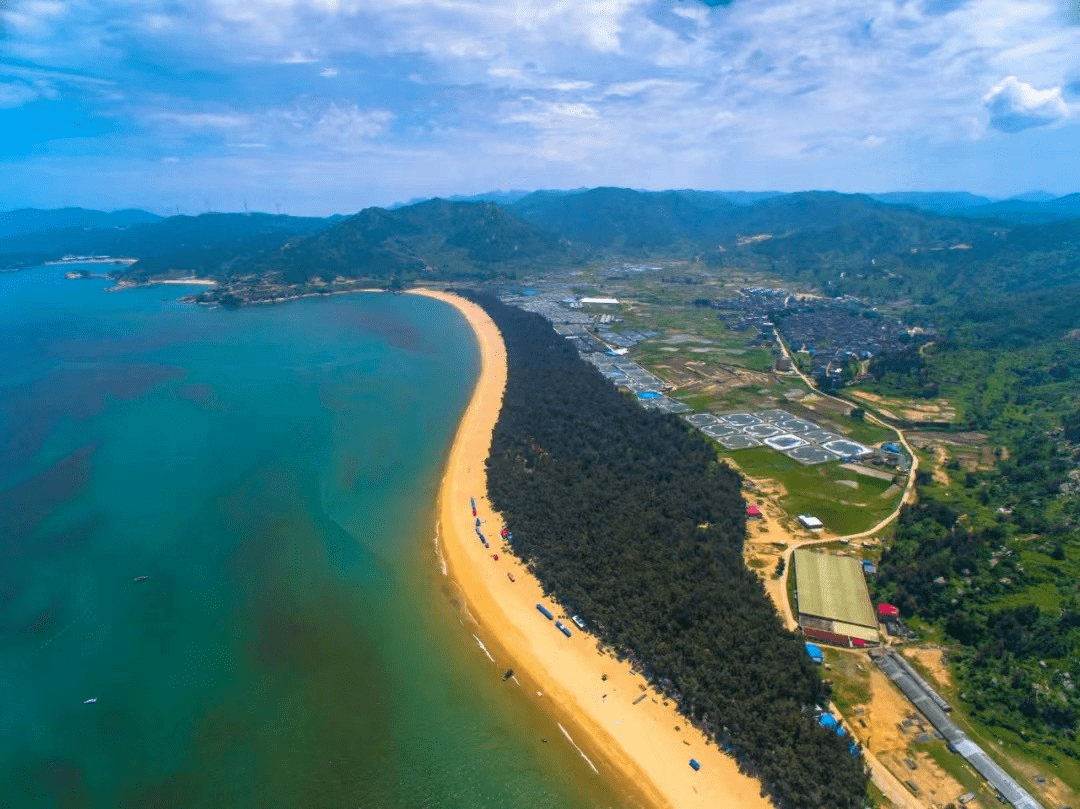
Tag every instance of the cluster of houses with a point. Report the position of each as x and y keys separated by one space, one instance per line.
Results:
x=840 y=333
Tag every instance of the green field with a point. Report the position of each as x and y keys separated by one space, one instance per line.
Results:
x=816 y=489
x=851 y=681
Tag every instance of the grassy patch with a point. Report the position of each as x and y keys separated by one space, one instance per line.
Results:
x=816 y=490
x=877 y=797
x=1008 y=748
x=866 y=432
x=755 y=359
x=850 y=680
x=959 y=770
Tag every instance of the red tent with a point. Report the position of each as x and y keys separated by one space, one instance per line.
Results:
x=753 y=511
x=887 y=611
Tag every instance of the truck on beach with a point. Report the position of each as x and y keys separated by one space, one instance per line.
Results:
x=562 y=628
x=545 y=611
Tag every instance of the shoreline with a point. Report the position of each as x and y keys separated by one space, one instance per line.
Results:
x=626 y=731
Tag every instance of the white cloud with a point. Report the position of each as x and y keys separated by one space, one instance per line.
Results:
x=1015 y=105
x=283 y=130
x=15 y=94
x=633 y=88
x=552 y=114
x=201 y=120
x=297 y=58
x=531 y=79
x=626 y=91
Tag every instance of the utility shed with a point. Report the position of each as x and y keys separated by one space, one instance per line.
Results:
x=834 y=604
x=813 y=523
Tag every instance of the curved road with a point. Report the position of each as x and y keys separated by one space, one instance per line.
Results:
x=882 y=777
x=908 y=496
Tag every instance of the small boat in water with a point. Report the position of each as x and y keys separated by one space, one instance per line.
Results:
x=90 y=701
x=509 y=673
x=140 y=578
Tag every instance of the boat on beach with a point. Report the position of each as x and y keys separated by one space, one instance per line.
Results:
x=510 y=576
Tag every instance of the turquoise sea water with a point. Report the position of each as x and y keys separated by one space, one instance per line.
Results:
x=273 y=472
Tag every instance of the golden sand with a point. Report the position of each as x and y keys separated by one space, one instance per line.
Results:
x=644 y=748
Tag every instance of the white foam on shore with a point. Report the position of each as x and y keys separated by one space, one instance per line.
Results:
x=482 y=646
x=439 y=553
x=582 y=752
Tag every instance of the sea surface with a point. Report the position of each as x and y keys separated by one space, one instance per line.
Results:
x=273 y=472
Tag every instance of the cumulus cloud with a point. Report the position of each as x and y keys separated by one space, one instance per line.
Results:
x=1015 y=105
x=630 y=92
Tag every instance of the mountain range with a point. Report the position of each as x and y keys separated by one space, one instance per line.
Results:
x=927 y=250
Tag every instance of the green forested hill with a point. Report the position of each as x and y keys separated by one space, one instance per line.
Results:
x=619 y=219
x=436 y=238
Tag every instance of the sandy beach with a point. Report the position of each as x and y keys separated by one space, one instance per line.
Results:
x=642 y=748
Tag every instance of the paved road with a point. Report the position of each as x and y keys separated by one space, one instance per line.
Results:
x=882 y=777
x=908 y=496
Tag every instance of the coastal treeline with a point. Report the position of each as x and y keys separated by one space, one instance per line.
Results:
x=629 y=520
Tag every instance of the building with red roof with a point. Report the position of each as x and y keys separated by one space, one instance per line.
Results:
x=886 y=611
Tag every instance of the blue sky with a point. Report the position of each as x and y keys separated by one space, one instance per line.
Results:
x=324 y=106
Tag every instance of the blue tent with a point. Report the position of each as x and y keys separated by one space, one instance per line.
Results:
x=815 y=653
x=827 y=720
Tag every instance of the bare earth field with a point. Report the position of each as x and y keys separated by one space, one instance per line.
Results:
x=908 y=410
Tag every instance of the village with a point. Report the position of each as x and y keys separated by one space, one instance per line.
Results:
x=898 y=721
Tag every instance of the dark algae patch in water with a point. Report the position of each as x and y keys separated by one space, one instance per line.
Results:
x=24 y=505
x=218 y=527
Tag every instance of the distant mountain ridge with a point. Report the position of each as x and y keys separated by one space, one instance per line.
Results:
x=1027 y=211
x=880 y=246
x=945 y=202
x=177 y=244
x=26 y=221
